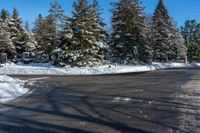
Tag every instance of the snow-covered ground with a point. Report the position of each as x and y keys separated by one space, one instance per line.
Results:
x=11 y=88
x=47 y=69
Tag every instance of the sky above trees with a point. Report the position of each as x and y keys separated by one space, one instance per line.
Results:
x=180 y=10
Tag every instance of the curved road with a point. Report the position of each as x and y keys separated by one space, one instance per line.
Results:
x=165 y=101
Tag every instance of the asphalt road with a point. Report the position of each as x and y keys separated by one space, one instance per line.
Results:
x=165 y=101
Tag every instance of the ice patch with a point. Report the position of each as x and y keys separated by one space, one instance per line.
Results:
x=122 y=99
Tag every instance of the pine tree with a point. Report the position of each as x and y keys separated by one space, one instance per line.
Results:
x=164 y=47
x=47 y=31
x=103 y=35
x=49 y=36
x=4 y=14
x=29 y=46
x=16 y=32
x=45 y=35
x=191 y=34
x=179 y=48
x=38 y=33
x=58 y=15
x=15 y=39
x=149 y=38
x=38 y=25
x=83 y=40
x=6 y=45
x=128 y=39
x=188 y=31
x=17 y=19
x=27 y=27
x=59 y=54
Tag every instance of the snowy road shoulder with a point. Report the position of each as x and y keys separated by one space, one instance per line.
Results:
x=48 y=69
x=11 y=88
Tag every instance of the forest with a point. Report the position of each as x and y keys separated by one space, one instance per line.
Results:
x=82 y=40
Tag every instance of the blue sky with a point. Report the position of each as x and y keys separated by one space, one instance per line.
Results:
x=180 y=10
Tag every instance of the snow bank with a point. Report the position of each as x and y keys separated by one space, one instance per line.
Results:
x=48 y=69
x=11 y=88
x=112 y=69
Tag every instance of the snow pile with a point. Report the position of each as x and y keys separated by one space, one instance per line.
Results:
x=11 y=88
x=48 y=69
x=173 y=65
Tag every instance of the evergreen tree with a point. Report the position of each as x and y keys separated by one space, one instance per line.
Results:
x=4 y=14
x=58 y=15
x=128 y=40
x=179 y=49
x=17 y=19
x=188 y=31
x=103 y=35
x=49 y=36
x=6 y=45
x=47 y=31
x=59 y=54
x=83 y=40
x=38 y=33
x=29 y=46
x=191 y=34
x=45 y=35
x=16 y=32
x=38 y=25
x=100 y=33
x=149 y=38
x=27 y=27
x=162 y=27
x=20 y=38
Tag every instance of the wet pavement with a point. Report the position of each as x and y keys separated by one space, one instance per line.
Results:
x=165 y=101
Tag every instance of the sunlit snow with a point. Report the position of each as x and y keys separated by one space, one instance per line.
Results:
x=11 y=88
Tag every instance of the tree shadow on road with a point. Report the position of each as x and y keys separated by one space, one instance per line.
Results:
x=60 y=108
